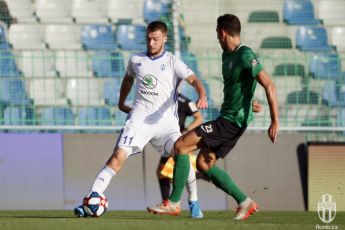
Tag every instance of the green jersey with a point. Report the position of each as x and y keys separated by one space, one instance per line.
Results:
x=239 y=71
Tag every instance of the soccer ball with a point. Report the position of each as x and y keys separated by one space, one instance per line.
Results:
x=95 y=204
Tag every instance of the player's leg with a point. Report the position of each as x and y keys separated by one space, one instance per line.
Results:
x=182 y=171
x=164 y=180
x=129 y=142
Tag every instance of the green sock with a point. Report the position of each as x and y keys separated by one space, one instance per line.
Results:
x=181 y=171
x=222 y=180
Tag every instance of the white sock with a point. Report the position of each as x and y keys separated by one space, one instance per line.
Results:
x=246 y=202
x=103 y=179
x=191 y=185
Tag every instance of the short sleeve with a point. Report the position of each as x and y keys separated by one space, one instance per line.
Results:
x=182 y=70
x=130 y=71
x=251 y=62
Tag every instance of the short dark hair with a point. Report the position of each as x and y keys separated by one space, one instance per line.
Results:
x=157 y=25
x=229 y=23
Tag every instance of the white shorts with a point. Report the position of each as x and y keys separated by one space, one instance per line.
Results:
x=136 y=134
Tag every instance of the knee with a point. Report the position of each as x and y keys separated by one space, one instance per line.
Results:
x=179 y=147
x=202 y=167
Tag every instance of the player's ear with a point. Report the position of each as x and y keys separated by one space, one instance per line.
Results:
x=165 y=38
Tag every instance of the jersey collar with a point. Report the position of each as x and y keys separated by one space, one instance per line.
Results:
x=155 y=58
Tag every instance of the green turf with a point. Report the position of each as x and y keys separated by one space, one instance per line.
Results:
x=114 y=220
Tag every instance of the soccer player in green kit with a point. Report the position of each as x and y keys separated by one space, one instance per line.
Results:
x=241 y=71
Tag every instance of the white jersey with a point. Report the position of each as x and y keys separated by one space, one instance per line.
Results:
x=157 y=80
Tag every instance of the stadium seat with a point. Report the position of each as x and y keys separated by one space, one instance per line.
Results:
x=120 y=117
x=12 y=92
x=341 y=118
x=86 y=11
x=276 y=42
x=120 y=9
x=338 y=38
x=333 y=94
x=303 y=97
x=85 y=92
x=73 y=63
x=154 y=9
x=94 y=116
x=285 y=85
x=98 y=37
x=263 y=16
x=131 y=37
x=27 y=36
x=22 y=10
x=3 y=33
x=191 y=61
x=54 y=11
x=18 y=116
x=48 y=92
x=108 y=64
x=325 y=66
x=302 y=114
x=8 y=67
x=332 y=14
x=299 y=13
x=63 y=37
x=312 y=39
x=57 y=116
x=112 y=91
x=289 y=69
x=37 y=63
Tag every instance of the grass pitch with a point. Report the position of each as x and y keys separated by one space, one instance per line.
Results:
x=115 y=220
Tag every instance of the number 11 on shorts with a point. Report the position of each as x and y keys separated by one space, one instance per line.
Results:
x=127 y=138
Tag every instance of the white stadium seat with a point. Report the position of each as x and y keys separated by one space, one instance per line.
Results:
x=48 y=92
x=26 y=36
x=338 y=38
x=73 y=64
x=332 y=12
x=54 y=11
x=22 y=10
x=85 y=92
x=63 y=36
x=89 y=11
x=121 y=9
x=37 y=63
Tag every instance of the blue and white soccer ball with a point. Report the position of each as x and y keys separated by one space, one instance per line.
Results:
x=95 y=204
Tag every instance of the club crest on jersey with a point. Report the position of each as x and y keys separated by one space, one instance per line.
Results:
x=163 y=67
x=149 y=81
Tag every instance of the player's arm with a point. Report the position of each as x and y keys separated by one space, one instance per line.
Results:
x=126 y=87
x=197 y=120
x=200 y=89
x=270 y=89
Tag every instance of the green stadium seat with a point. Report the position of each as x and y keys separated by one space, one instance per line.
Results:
x=289 y=69
x=276 y=42
x=263 y=16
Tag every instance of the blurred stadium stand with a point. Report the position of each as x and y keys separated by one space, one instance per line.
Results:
x=73 y=53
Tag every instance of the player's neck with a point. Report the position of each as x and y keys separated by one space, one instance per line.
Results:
x=153 y=56
x=234 y=44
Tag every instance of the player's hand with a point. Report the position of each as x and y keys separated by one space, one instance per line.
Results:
x=202 y=103
x=256 y=106
x=273 y=131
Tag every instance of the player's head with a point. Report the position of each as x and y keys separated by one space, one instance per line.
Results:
x=156 y=37
x=228 y=29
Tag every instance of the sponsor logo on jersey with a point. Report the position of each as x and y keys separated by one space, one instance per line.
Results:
x=150 y=81
x=148 y=93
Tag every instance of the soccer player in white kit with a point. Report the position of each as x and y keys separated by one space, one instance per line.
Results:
x=153 y=117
